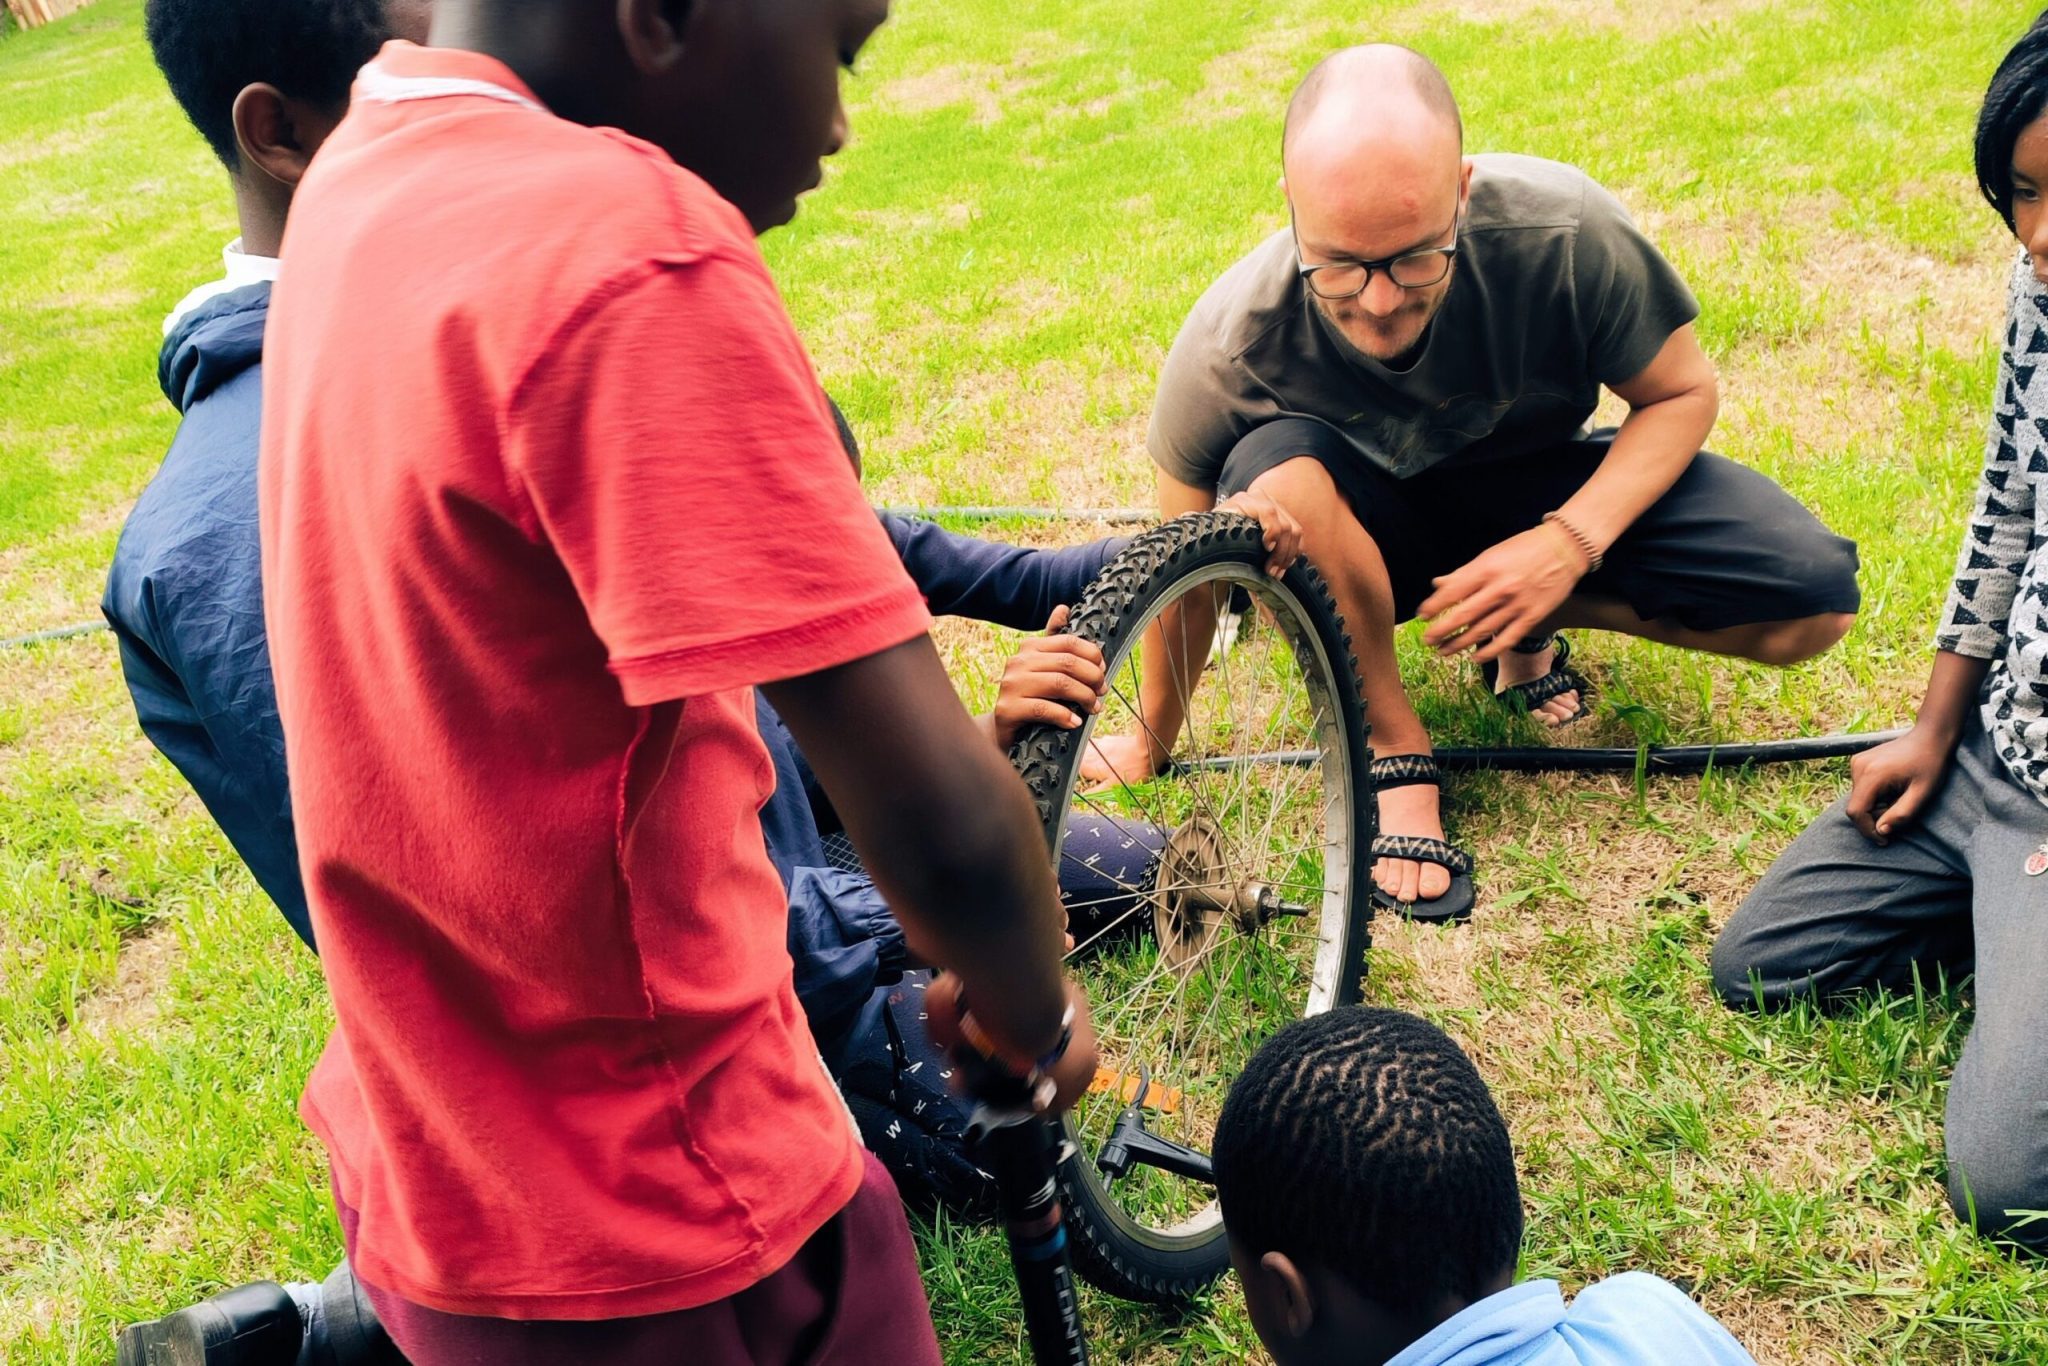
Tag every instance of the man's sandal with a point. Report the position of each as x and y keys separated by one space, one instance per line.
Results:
x=1562 y=678
x=1407 y=770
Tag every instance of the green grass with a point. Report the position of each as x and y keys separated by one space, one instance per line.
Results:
x=1037 y=191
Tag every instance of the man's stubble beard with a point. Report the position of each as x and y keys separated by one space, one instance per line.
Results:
x=1359 y=337
x=1407 y=354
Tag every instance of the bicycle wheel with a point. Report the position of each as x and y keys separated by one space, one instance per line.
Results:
x=1259 y=907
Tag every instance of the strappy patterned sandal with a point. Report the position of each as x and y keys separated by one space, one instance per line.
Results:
x=1562 y=678
x=1407 y=770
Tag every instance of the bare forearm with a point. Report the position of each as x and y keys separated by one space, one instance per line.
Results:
x=1653 y=448
x=975 y=897
x=1952 y=691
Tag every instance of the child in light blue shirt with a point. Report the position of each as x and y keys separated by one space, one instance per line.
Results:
x=1368 y=1185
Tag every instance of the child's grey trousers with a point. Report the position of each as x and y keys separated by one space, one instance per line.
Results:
x=1958 y=889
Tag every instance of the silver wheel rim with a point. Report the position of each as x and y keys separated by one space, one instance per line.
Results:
x=1273 y=773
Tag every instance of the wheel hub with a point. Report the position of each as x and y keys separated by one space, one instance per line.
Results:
x=1196 y=894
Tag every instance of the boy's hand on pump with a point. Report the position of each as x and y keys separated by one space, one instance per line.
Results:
x=1069 y=1074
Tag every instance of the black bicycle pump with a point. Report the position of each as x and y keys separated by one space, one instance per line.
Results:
x=1021 y=1149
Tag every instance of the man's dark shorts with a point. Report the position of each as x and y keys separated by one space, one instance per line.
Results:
x=1725 y=547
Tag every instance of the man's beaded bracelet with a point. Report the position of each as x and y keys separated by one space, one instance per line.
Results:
x=1579 y=539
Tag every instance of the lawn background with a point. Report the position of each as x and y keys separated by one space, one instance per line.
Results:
x=1037 y=191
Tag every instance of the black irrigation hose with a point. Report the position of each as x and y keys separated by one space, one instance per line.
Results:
x=1532 y=759
x=1535 y=759
x=83 y=628
x=1662 y=758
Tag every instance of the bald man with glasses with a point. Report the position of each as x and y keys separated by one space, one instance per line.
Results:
x=1409 y=368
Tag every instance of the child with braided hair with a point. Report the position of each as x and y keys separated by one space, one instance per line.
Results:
x=1368 y=1184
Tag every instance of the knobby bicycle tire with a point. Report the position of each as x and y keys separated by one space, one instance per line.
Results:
x=1111 y=1250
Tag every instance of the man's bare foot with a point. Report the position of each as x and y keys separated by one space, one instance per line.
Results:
x=1411 y=810
x=1514 y=667
x=1113 y=759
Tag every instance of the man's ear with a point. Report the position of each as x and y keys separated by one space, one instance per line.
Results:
x=1287 y=1291
x=653 y=32
x=1465 y=185
x=276 y=134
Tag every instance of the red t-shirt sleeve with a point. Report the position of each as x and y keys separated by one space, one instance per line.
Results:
x=674 y=448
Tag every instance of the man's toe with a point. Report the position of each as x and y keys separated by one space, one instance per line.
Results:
x=1398 y=878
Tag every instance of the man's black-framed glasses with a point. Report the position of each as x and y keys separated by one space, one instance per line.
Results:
x=1348 y=279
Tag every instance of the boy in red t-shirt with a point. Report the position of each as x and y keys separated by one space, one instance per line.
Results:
x=547 y=483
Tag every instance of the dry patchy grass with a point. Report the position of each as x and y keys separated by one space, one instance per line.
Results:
x=131 y=1002
x=60 y=712
x=1555 y=986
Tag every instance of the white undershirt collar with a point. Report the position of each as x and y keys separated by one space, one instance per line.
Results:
x=239 y=269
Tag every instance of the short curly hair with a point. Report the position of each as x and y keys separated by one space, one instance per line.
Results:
x=1364 y=1141
x=2018 y=95
x=209 y=50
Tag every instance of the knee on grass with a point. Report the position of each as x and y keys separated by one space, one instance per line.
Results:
x=1996 y=1186
x=1996 y=1133
x=1745 y=975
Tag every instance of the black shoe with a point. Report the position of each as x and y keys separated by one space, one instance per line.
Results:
x=251 y=1325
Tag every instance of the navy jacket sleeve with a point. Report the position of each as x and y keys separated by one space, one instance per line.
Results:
x=964 y=576
x=787 y=825
x=185 y=599
x=844 y=944
x=185 y=595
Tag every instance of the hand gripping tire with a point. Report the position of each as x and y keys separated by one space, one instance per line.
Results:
x=1260 y=908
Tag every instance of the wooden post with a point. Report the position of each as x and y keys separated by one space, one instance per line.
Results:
x=35 y=13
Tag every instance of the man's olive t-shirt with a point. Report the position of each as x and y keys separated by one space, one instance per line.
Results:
x=1555 y=293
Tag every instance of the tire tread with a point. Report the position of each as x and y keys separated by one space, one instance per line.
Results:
x=1150 y=567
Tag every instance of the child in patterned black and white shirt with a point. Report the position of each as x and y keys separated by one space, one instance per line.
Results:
x=1935 y=861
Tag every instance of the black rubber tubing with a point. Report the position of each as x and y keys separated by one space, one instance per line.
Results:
x=83 y=628
x=1529 y=759
x=1662 y=758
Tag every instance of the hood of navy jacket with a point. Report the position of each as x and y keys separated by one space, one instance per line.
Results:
x=212 y=344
